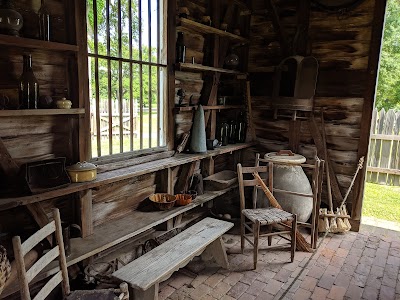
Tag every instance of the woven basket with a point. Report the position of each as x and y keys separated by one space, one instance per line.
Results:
x=5 y=268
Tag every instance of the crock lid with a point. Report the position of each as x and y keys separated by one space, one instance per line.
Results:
x=82 y=166
x=285 y=156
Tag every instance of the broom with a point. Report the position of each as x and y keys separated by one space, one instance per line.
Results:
x=342 y=208
x=301 y=243
x=342 y=216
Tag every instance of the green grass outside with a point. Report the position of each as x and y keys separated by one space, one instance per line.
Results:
x=126 y=140
x=382 y=202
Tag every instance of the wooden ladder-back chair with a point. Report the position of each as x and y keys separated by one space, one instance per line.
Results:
x=251 y=219
x=26 y=276
x=317 y=170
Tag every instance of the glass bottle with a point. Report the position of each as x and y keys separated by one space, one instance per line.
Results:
x=10 y=20
x=223 y=133
x=28 y=86
x=232 y=132
x=231 y=60
x=44 y=22
x=180 y=48
x=241 y=128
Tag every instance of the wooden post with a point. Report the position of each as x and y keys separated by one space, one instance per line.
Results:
x=83 y=86
x=373 y=63
x=85 y=204
x=171 y=40
x=40 y=217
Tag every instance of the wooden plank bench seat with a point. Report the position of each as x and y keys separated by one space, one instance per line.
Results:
x=144 y=274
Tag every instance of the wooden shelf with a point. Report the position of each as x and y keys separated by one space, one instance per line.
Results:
x=15 y=41
x=193 y=25
x=214 y=107
x=41 y=112
x=116 y=231
x=202 y=68
x=120 y=174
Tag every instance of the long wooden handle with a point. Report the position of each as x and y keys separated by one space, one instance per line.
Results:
x=301 y=242
x=328 y=175
x=267 y=192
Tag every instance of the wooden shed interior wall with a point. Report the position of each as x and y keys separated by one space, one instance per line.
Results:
x=347 y=48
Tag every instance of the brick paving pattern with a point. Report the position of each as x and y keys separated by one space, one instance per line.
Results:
x=363 y=265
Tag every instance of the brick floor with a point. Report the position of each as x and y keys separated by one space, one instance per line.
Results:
x=363 y=265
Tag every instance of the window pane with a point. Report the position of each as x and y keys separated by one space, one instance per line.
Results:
x=126 y=90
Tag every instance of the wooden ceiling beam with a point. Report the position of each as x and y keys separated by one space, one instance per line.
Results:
x=279 y=29
x=301 y=42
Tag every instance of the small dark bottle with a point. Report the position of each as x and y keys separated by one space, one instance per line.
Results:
x=241 y=127
x=44 y=22
x=232 y=132
x=28 y=87
x=223 y=133
x=180 y=48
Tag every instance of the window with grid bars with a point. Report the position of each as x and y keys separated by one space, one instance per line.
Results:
x=127 y=75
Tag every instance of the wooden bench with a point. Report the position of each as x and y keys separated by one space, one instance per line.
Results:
x=144 y=274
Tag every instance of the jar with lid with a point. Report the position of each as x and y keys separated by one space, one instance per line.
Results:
x=289 y=176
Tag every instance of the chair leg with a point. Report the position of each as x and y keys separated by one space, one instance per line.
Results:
x=293 y=239
x=242 y=232
x=256 y=233
x=269 y=230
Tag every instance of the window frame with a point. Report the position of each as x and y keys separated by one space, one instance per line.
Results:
x=163 y=66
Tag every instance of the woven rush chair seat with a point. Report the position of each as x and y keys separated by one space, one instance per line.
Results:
x=267 y=216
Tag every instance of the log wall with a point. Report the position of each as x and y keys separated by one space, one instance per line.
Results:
x=342 y=44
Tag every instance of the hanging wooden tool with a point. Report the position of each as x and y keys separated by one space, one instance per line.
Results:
x=301 y=243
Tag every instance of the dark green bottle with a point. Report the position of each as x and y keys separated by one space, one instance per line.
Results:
x=241 y=128
x=28 y=87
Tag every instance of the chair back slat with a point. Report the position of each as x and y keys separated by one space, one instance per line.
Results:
x=20 y=250
x=61 y=258
x=35 y=239
x=250 y=182
x=42 y=263
x=259 y=169
x=49 y=286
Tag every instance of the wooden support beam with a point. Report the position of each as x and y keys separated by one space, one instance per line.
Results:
x=11 y=169
x=171 y=40
x=320 y=150
x=283 y=39
x=85 y=205
x=294 y=135
x=300 y=43
x=40 y=217
x=7 y=163
x=82 y=91
x=368 y=105
x=208 y=166
x=251 y=132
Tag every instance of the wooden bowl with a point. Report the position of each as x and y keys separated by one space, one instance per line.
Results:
x=162 y=201
x=183 y=199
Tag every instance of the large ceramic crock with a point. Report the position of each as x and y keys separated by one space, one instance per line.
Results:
x=291 y=177
x=82 y=172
